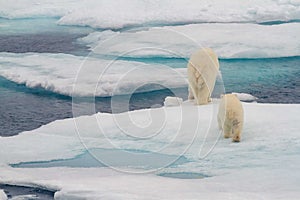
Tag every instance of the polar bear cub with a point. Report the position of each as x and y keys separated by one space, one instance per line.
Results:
x=231 y=117
x=202 y=69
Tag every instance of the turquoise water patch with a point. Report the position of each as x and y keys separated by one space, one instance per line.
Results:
x=41 y=35
x=83 y=160
x=184 y=175
x=113 y=158
x=37 y=25
x=279 y=22
x=272 y=80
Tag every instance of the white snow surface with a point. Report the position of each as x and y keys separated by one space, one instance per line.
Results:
x=35 y=8
x=263 y=165
x=172 y=101
x=102 y=183
x=25 y=197
x=126 y=13
x=245 y=96
x=2 y=195
x=78 y=76
x=228 y=41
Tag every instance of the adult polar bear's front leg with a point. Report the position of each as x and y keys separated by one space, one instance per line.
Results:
x=202 y=70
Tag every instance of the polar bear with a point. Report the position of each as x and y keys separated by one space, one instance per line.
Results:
x=202 y=69
x=231 y=117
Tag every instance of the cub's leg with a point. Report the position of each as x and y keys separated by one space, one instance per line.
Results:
x=227 y=130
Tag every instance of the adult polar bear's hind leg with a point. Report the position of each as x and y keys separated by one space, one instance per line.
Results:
x=191 y=95
x=203 y=68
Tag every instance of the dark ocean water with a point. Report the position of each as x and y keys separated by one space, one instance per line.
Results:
x=43 y=43
x=24 y=109
x=26 y=193
x=41 y=35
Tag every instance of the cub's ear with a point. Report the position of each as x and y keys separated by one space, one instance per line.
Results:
x=235 y=94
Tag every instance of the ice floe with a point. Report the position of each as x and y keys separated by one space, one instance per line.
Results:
x=119 y=14
x=79 y=76
x=227 y=40
x=269 y=149
x=2 y=195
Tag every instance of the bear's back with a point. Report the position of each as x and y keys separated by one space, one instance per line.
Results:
x=205 y=62
x=233 y=107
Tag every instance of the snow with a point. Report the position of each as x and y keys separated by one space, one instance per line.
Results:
x=175 y=128
x=24 y=197
x=103 y=183
x=119 y=13
x=228 y=41
x=79 y=76
x=2 y=195
x=46 y=26
x=245 y=97
x=155 y=127
x=263 y=165
x=35 y=8
x=172 y=101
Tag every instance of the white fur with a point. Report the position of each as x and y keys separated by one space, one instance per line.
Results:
x=231 y=117
x=203 y=68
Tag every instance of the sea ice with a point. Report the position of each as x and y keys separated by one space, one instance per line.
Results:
x=175 y=128
x=34 y=8
x=3 y=195
x=172 y=101
x=228 y=41
x=78 y=76
x=263 y=165
x=245 y=97
x=103 y=183
x=119 y=13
